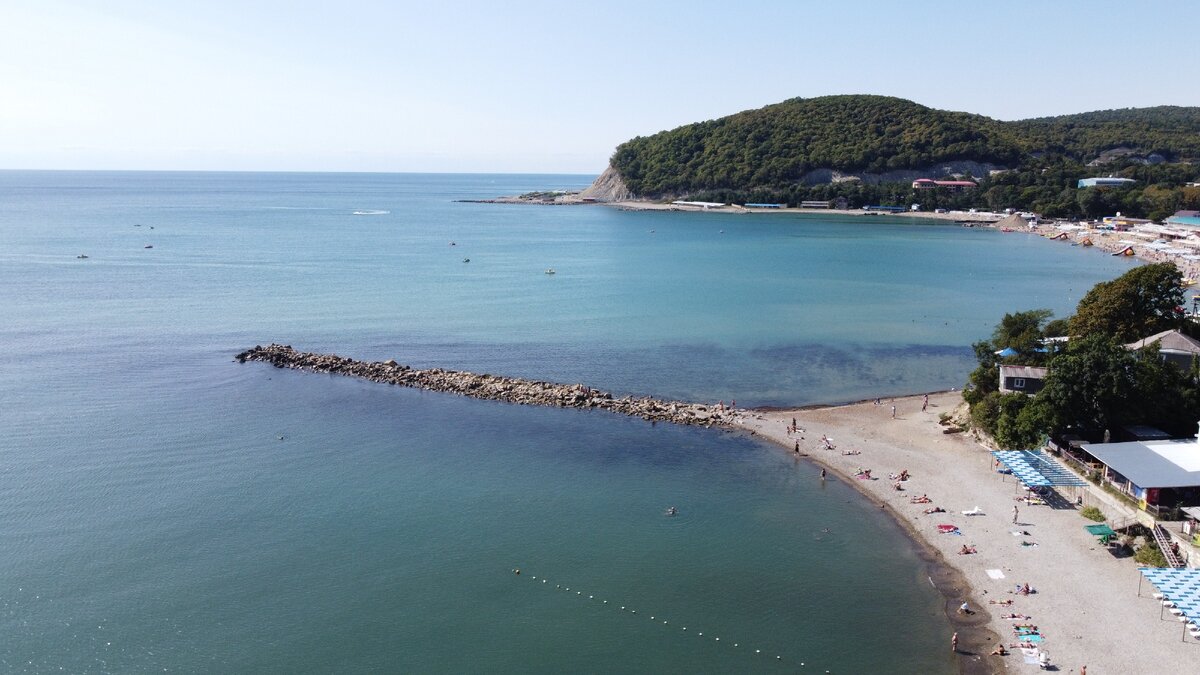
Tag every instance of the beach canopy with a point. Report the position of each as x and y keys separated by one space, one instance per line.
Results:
x=1034 y=469
x=1101 y=530
x=1179 y=585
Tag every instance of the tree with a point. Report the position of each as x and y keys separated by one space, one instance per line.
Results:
x=1021 y=422
x=1092 y=384
x=1143 y=301
x=1023 y=332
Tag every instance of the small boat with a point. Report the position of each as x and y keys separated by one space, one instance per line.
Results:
x=1006 y=229
x=148 y=246
x=466 y=260
x=549 y=270
x=81 y=256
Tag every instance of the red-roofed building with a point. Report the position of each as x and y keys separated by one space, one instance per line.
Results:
x=952 y=185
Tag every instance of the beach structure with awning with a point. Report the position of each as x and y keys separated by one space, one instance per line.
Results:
x=1035 y=469
x=1179 y=589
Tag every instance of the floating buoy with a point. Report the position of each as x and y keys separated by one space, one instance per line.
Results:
x=717 y=639
x=757 y=651
x=590 y=597
x=606 y=602
x=543 y=581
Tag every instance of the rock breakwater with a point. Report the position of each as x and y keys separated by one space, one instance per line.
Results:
x=494 y=387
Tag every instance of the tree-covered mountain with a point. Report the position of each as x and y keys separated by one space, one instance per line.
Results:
x=1170 y=131
x=790 y=151
x=781 y=143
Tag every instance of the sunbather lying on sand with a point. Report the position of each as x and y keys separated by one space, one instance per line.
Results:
x=967 y=550
x=923 y=499
x=1000 y=602
x=936 y=509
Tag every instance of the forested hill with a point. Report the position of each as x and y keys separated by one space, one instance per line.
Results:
x=800 y=141
x=1170 y=131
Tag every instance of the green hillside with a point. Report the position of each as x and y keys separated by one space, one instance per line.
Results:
x=770 y=150
x=1170 y=131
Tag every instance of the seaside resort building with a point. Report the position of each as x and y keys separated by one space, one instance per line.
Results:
x=1160 y=475
x=1105 y=182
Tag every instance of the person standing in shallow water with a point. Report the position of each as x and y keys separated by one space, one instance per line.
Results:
x=954 y=643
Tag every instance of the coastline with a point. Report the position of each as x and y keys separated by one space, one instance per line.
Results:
x=1084 y=595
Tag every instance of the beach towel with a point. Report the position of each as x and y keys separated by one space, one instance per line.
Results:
x=995 y=574
x=947 y=528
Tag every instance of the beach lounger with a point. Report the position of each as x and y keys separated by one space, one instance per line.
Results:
x=973 y=512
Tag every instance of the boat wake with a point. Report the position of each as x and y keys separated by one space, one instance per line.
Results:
x=370 y=212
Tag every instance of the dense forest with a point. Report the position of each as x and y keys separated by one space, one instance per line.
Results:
x=768 y=154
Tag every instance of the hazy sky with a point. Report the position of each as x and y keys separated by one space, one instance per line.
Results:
x=350 y=85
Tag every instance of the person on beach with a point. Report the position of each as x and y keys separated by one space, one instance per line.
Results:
x=797 y=450
x=1015 y=512
x=964 y=608
x=925 y=403
x=822 y=474
x=954 y=643
x=1000 y=650
x=893 y=411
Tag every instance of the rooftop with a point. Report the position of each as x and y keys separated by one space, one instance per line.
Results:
x=1153 y=464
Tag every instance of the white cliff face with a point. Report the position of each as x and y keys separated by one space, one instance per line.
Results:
x=608 y=187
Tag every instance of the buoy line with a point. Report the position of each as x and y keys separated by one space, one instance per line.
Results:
x=630 y=610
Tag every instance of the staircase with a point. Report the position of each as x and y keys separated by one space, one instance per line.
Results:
x=1164 y=545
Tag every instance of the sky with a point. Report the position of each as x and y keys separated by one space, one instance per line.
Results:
x=537 y=87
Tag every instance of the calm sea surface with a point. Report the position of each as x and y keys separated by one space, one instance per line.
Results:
x=163 y=508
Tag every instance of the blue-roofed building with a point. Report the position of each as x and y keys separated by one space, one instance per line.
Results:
x=1185 y=218
x=1105 y=182
x=1159 y=475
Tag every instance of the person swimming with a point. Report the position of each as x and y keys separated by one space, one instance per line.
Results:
x=671 y=510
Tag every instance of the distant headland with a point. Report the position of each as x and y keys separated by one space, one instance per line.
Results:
x=852 y=151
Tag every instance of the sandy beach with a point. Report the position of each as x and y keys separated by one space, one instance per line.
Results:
x=1086 y=602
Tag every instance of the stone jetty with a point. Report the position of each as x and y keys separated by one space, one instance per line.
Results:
x=494 y=387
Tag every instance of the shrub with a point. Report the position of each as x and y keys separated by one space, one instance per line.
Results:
x=1150 y=556
x=1092 y=513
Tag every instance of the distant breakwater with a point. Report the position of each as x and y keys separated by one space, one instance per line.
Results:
x=494 y=387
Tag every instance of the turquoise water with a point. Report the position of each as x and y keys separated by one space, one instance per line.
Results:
x=153 y=518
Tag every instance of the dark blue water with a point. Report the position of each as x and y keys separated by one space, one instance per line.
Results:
x=153 y=517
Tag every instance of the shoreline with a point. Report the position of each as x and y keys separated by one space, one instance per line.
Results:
x=1047 y=548
x=1084 y=594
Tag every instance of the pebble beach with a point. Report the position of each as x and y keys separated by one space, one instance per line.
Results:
x=1087 y=603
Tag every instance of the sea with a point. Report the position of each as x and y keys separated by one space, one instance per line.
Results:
x=166 y=509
